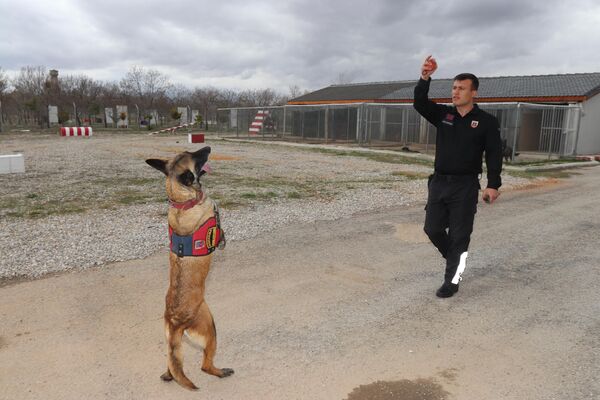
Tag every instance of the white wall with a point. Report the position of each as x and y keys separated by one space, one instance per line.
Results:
x=589 y=128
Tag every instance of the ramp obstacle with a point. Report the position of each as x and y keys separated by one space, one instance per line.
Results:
x=258 y=122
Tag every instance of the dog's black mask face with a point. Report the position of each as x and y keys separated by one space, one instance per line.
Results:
x=185 y=168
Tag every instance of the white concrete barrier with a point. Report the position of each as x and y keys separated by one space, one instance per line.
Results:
x=12 y=163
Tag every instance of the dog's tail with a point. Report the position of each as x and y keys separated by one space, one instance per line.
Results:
x=175 y=357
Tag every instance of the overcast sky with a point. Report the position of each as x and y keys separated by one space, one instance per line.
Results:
x=258 y=44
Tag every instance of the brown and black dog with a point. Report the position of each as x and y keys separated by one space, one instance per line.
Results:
x=195 y=232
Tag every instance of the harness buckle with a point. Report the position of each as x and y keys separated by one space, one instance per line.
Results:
x=180 y=250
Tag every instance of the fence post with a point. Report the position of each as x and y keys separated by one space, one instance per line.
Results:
x=0 y=116
x=577 y=122
x=517 y=131
x=284 y=121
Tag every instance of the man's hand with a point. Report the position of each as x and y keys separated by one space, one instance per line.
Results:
x=490 y=195
x=428 y=68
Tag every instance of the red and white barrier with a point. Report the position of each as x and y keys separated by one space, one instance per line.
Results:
x=196 y=137
x=257 y=124
x=76 y=131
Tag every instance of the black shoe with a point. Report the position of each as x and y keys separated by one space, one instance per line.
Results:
x=447 y=290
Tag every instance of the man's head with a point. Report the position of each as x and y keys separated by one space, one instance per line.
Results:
x=464 y=89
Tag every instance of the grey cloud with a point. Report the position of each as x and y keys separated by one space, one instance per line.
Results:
x=307 y=43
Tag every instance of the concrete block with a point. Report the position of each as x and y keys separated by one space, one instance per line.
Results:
x=12 y=164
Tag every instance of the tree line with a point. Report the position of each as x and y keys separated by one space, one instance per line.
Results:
x=25 y=97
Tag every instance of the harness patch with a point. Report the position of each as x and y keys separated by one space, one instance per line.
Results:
x=202 y=242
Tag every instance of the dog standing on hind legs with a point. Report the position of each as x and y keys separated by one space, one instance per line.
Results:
x=194 y=232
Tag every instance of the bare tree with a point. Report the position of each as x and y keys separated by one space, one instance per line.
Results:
x=30 y=93
x=3 y=82
x=295 y=91
x=208 y=100
x=84 y=92
x=343 y=78
x=145 y=86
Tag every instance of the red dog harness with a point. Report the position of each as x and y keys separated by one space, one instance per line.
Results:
x=202 y=241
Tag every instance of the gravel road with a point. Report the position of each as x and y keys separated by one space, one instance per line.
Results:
x=85 y=202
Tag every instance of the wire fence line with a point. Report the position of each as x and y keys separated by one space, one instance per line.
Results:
x=524 y=127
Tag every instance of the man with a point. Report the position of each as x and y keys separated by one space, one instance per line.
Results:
x=464 y=133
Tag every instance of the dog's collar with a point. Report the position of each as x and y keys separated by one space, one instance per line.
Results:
x=186 y=205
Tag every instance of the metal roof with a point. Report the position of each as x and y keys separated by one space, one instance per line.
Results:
x=570 y=87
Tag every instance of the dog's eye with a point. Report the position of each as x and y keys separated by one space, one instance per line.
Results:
x=187 y=178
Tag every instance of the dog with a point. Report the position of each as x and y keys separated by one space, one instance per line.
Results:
x=195 y=232
x=507 y=151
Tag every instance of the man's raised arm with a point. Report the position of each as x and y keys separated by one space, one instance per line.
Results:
x=427 y=108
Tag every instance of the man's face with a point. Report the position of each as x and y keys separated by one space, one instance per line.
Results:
x=463 y=93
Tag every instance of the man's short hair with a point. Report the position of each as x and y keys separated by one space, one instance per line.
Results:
x=471 y=77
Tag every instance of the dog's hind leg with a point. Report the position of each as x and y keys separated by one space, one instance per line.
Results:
x=175 y=357
x=204 y=333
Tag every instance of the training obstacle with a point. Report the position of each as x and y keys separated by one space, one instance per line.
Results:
x=76 y=131
x=196 y=137
x=258 y=123
x=173 y=128
x=12 y=163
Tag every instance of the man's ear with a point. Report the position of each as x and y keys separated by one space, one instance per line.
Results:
x=160 y=165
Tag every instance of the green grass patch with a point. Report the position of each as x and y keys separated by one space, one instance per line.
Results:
x=373 y=156
x=411 y=175
x=546 y=162
x=550 y=174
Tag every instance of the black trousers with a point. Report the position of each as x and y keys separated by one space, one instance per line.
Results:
x=450 y=212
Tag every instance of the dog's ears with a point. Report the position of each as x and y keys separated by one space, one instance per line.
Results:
x=202 y=154
x=160 y=165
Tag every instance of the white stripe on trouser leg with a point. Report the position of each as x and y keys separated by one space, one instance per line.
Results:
x=461 y=268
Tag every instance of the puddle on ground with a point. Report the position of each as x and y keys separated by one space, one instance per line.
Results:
x=411 y=233
x=419 y=389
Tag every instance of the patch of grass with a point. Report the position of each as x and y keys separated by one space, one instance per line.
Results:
x=411 y=175
x=546 y=162
x=379 y=157
x=552 y=174
x=294 y=195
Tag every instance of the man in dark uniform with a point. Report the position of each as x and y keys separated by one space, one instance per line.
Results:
x=464 y=133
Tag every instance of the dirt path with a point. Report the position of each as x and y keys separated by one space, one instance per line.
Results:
x=315 y=311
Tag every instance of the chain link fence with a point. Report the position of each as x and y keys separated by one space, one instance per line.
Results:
x=535 y=129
